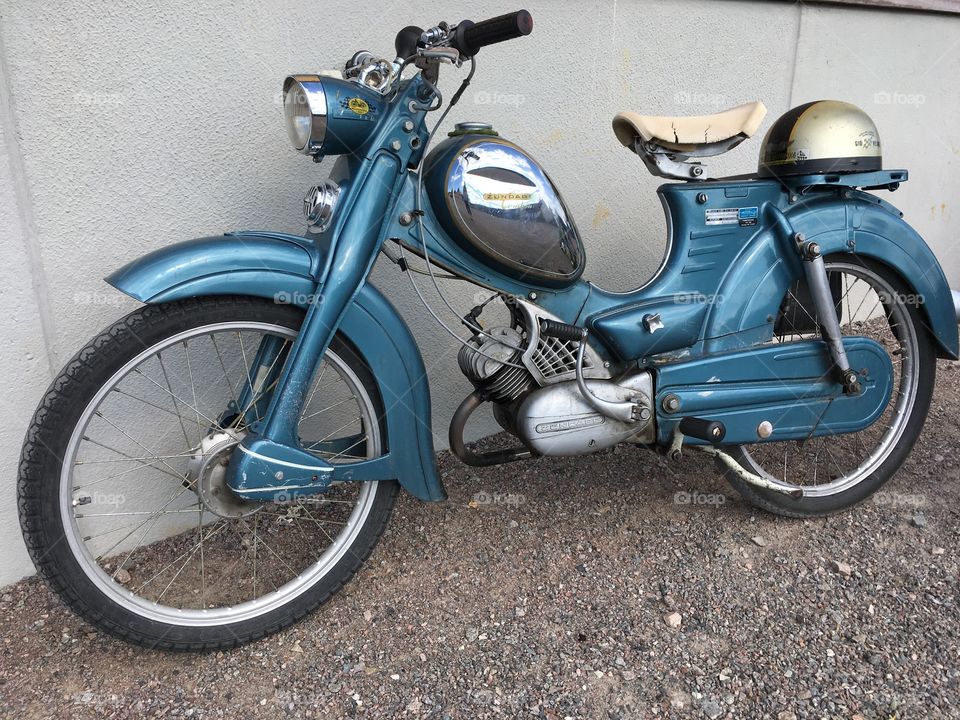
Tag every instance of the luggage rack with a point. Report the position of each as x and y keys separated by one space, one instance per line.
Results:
x=875 y=180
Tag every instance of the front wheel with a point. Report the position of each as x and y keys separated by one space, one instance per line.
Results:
x=122 y=496
x=837 y=472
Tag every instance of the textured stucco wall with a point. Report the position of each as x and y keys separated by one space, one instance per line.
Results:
x=127 y=127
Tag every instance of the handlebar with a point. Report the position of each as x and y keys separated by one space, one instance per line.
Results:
x=466 y=38
x=470 y=36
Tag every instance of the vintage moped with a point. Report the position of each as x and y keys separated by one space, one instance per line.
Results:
x=219 y=462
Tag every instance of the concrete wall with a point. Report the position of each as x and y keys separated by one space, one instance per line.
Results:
x=128 y=127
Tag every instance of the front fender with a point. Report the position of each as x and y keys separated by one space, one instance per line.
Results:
x=859 y=224
x=284 y=267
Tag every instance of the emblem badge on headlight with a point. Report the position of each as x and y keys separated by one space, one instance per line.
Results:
x=358 y=105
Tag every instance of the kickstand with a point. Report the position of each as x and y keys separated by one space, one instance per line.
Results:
x=675 y=452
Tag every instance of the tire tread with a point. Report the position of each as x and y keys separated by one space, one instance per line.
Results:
x=65 y=398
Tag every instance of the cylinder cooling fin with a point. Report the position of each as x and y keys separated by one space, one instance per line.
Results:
x=494 y=366
x=507 y=361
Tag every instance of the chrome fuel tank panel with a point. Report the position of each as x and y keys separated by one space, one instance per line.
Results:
x=499 y=205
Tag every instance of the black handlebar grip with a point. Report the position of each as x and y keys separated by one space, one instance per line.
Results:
x=471 y=36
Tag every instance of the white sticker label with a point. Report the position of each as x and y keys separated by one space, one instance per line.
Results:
x=723 y=216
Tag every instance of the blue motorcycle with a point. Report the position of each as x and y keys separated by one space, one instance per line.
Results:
x=219 y=462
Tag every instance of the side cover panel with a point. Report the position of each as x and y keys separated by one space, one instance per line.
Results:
x=790 y=386
x=732 y=257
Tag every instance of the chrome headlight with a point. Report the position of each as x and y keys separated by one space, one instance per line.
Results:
x=305 y=111
x=318 y=205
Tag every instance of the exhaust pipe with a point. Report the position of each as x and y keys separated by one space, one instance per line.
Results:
x=467 y=456
x=956 y=304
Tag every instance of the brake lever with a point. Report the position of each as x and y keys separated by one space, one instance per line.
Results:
x=448 y=54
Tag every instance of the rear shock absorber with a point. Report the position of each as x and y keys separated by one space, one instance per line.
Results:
x=816 y=274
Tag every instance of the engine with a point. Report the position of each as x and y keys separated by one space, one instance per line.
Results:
x=494 y=364
x=530 y=378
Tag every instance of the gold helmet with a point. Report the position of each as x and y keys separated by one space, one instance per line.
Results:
x=826 y=136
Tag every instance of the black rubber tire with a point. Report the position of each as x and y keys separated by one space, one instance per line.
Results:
x=781 y=504
x=46 y=443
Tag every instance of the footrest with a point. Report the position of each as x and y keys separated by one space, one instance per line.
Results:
x=711 y=431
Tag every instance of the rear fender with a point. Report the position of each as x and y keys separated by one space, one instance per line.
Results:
x=284 y=268
x=860 y=225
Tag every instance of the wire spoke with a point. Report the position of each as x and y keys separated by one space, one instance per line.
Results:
x=212 y=422
x=226 y=376
x=142 y=446
x=170 y=472
x=172 y=545
x=176 y=410
x=847 y=457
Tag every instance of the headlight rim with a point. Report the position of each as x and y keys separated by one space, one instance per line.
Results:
x=312 y=91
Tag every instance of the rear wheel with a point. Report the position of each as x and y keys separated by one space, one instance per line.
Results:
x=123 y=502
x=839 y=471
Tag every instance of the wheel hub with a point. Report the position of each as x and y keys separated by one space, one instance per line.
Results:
x=207 y=472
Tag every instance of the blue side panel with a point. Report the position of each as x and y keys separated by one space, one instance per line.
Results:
x=714 y=230
x=626 y=332
x=732 y=248
x=791 y=386
x=278 y=266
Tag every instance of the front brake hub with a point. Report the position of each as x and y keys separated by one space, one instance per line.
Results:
x=208 y=472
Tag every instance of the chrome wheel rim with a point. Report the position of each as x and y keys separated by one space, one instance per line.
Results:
x=258 y=533
x=859 y=316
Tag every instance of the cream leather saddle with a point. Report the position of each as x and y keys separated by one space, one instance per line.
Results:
x=666 y=144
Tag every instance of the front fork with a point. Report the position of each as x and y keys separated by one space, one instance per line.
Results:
x=262 y=374
x=826 y=312
x=270 y=461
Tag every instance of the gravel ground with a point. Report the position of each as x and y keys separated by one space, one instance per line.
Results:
x=621 y=585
